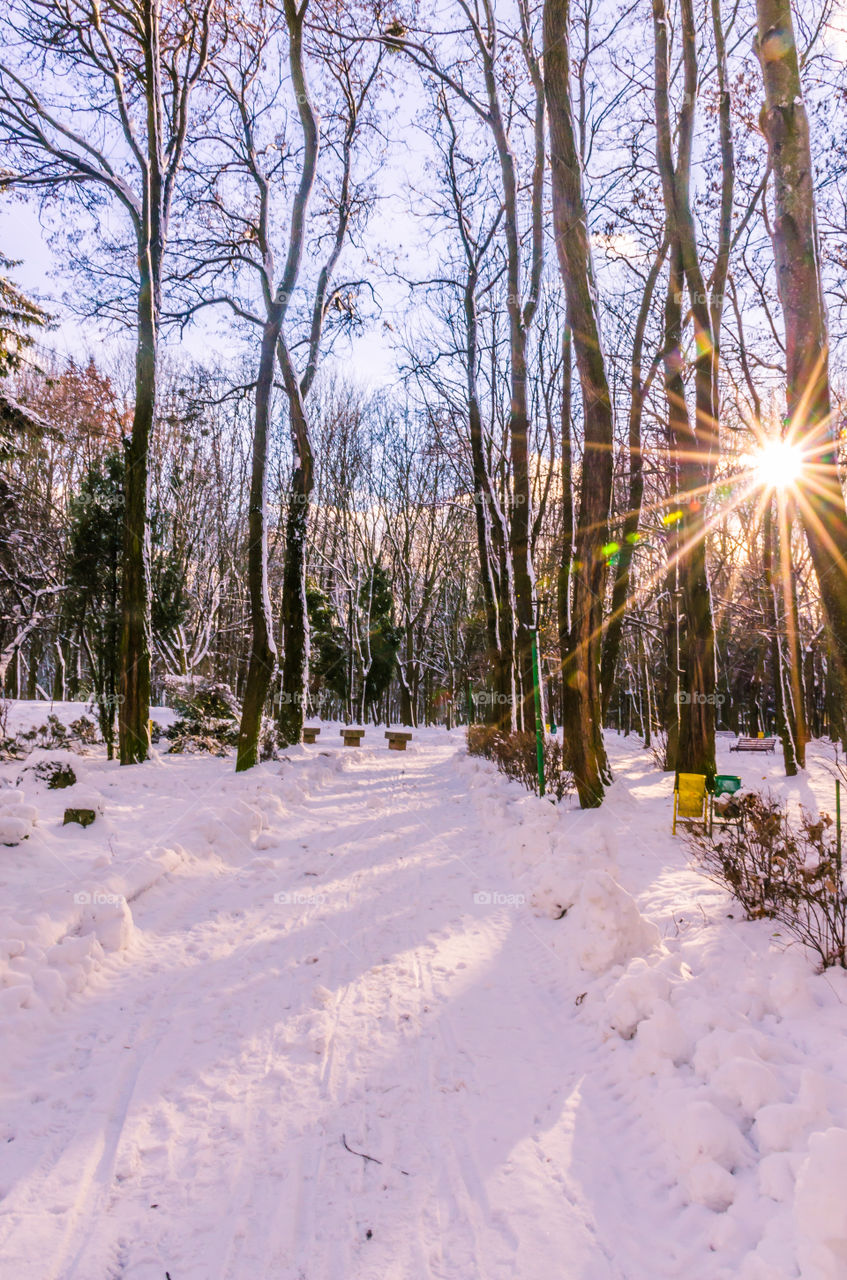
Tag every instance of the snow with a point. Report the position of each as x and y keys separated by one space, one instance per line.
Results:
x=563 y=1049
x=606 y=926
x=17 y=819
x=820 y=1209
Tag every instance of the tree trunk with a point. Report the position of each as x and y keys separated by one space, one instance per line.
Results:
x=785 y=727
x=294 y=614
x=407 y=706
x=262 y=650
x=489 y=518
x=629 y=531
x=59 y=674
x=792 y=632
x=695 y=447
x=582 y=721
x=795 y=247
x=565 y=571
x=521 y=313
x=134 y=712
x=35 y=651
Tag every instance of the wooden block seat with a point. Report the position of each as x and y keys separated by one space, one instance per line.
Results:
x=397 y=739
x=755 y=744
x=309 y=734
x=352 y=737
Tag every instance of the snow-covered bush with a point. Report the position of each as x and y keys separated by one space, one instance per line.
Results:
x=208 y=716
x=51 y=735
x=515 y=754
x=55 y=774
x=786 y=872
x=16 y=818
x=8 y=746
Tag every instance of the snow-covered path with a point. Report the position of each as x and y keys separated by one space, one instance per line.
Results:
x=188 y=1116
x=321 y=1022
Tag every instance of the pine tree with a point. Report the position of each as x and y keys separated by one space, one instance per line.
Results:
x=94 y=581
x=329 y=662
x=20 y=319
x=376 y=601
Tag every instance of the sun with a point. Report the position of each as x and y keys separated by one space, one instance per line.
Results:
x=778 y=464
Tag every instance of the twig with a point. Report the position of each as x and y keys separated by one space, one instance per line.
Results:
x=372 y=1159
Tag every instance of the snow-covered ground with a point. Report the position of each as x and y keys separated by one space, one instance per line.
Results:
x=320 y=1022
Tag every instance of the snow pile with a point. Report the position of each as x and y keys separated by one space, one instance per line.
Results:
x=68 y=911
x=729 y=1043
x=17 y=819
x=820 y=1207
x=604 y=927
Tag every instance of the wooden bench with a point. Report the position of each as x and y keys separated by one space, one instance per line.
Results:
x=352 y=737
x=397 y=739
x=755 y=744
x=309 y=735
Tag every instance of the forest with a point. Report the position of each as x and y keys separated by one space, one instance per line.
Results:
x=423 y=639
x=411 y=339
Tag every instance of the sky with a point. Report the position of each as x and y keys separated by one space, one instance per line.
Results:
x=394 y=236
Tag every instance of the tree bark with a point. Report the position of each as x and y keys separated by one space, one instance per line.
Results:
x=786 y=727
x=262 y=661
x=582 y=721
x=521 y=312
x=792 y=631
x=629 y=530
x=294 y=615
x=134 y=710
x=565 y=572
x=488 y=516
x=794 y=236
x=695 y=446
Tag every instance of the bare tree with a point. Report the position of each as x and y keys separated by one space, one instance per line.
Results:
x=493 y=104
x=798 y=270
x=247 y=217
x=96 y=96
x=695 y=445
x=581 y=668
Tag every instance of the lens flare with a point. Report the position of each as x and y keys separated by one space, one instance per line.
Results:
x=777 y=465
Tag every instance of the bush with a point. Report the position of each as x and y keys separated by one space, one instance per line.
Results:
x=515 y=754
x=659 y=749
x=208 y=719
x=55 y=773
x=83 y=731
x=51 y=736
x=783 y=872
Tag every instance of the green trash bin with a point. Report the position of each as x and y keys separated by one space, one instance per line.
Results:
x=725 y=784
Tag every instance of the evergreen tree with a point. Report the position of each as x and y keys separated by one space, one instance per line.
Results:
x=19 y=319
x=94 y=581
x=376 y=601
x=170 y=602
x=330 y=661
